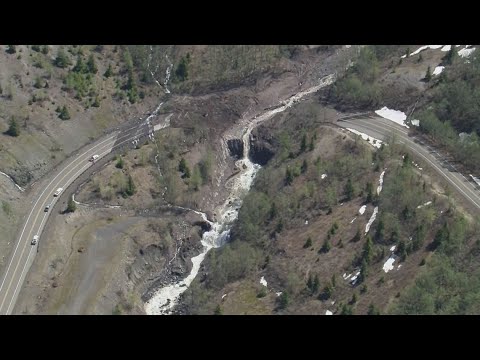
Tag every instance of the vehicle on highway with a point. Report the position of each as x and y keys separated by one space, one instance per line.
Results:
x=35 y=240
x=93 y=158
x=59 y=190
x=47 y=208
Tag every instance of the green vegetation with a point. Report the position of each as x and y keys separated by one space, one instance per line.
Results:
x=120 y=163
x=63 y=113
x=62 y=60
x=183 y=168
x=11 y=49
x=109 y=72
x=13 y=129
x=7 y=208
x=358 y=88
x=130 y=190
x=71 y=206
x=308 y=243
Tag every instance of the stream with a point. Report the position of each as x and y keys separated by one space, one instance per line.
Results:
x=164 y=299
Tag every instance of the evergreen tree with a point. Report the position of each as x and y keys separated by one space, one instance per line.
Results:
x=311 y=147
x=358 y=235
x=349 y=190
x=310 y=282
x=368 y=250
x=64 y=114
x=316 y=284
x=283 y=300
x=326 y=246
x=109 y=71
x=62 y=60
x=218 y=310
x=289 y=176
x=13 y=129
x=45 y=49
x=11 y=49
x=369 y=190
x=130 y=186
x=308 y=243
x=372 y=310
x=451 y=55
x=80 y=66
x=428 y=75
x=304 y=166
x=38 y=83
x=120 y=163
x=91 y=66
x=96 y=102
x=71 y=206
x=303 y=145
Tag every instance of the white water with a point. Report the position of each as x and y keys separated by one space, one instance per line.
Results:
x=18 y=186
x=165 y=298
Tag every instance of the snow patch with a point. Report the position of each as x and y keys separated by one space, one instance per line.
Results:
x=380 y=181
x=425 y=47
x=426 y=204
x=466 y=52
x=361 y=211
x=392 y=249
x=278 y=293
x=17 y=186
x=396 y=116
x=306 y=222
x=323 y=176
x=415 y=122
x=477 y=180
x=438 y=70
x=371 y=140
x=372 y=219
x=328 y=312
x=263 y=281
x=388 y=264
x=223 y=296
x=446 y=48
x=399 y=266
x=355 y=218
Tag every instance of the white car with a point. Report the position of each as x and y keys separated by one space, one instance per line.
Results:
x=35 y=240
x=47 y=208
x=59 y=190
x=93 y=158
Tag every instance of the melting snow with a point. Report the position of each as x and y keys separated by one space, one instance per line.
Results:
x=396 y=116
x=388 y=264
x=415 y=122
x=263 y=281
x=466 y=52
x=380 y=181
x=426 y=204
x=393 y=248
x=223 y=296
x=438 y=70
x=362 y=209
x=355 y=218
x=372 y=219
x=328 y=312
x=323 y=176
x=446 y=48
x=371 y=140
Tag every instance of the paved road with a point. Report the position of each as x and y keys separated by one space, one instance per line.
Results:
x=24 y=253
x=381 y=128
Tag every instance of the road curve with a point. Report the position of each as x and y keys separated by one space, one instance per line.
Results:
x=24 y=253
x=381 y=128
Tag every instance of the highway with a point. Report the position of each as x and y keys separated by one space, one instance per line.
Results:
x=61 y=177
x=381 y=128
